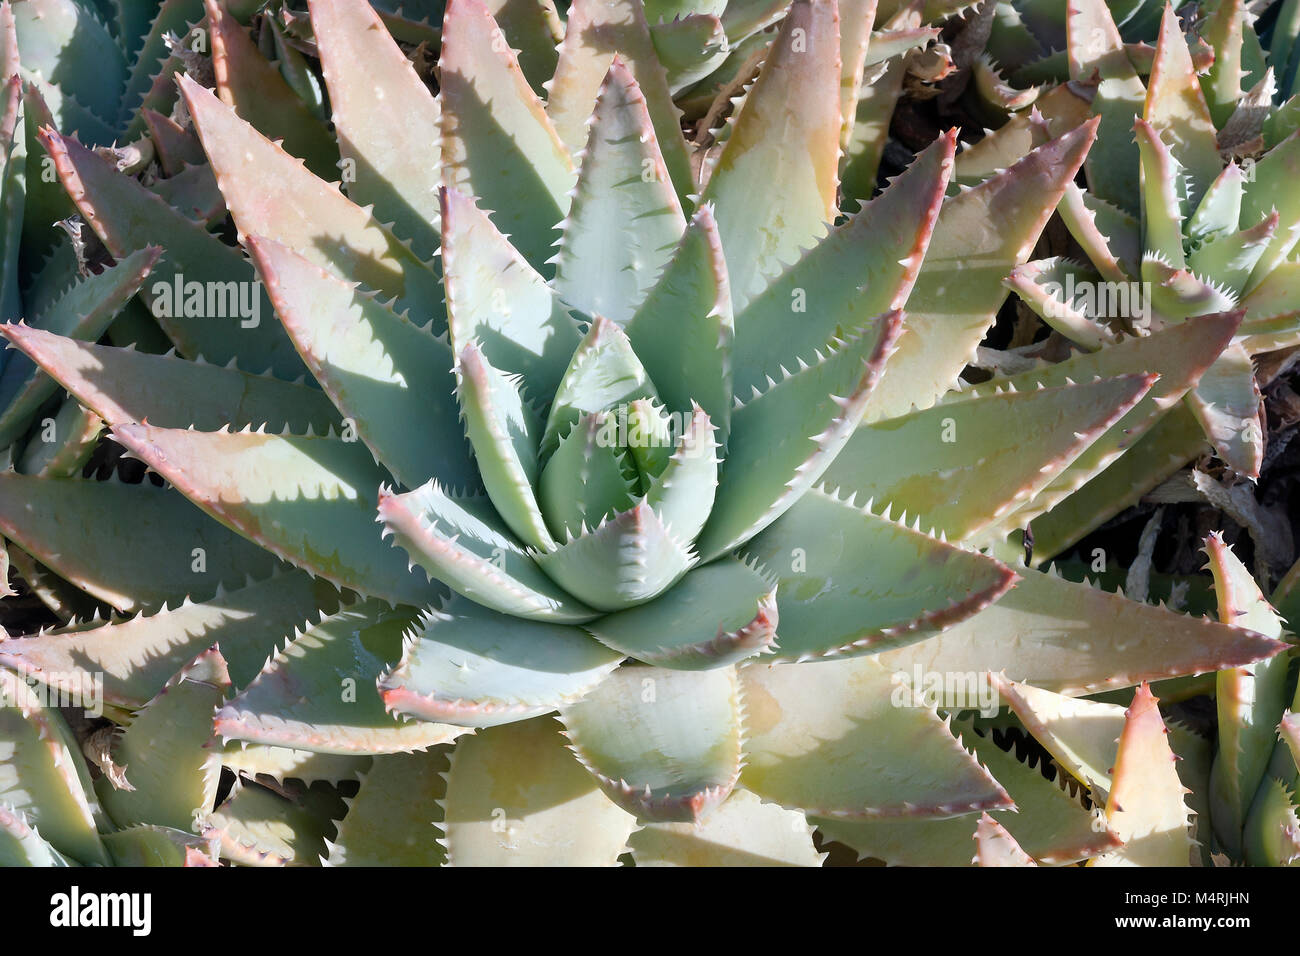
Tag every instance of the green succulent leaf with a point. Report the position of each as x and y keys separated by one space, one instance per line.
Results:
x=665 y=745
x=1097 y=56
x=852 y=582
x=744 y=831
x=256 y=827
x=391 y=820
x=623 y=188
x=717 y=615
x=784 y=438
x=318 y=694
x=1227 y=403
x=817 y=734
x=309 y=500
x=83 y=312
x=473 y=667
x=171 y=771
x=497 y=300
x=124 y=385
x=135 y=657
x=42 y=780
x=150 y=845
x=961 y=465
x=517 y=797
x=684 y=333
x=148 y=547
x=1076 y=639
x=787 y=135
x=980 y=236
x=603 y=373
x=126 y=216
x=259 y=93
x=271 y=194
x=1051 y=825
x=380 y=369
x=394 y=153
x=498 y=144
x=863 y=269
x=1250 y=700
x=464 y=542
x=596 y=32
x=1145 y=807
x=628 y=559
x=21 y=845
x=503 y=430
x=587 y=478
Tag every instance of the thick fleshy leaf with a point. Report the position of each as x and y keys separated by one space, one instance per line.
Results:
x=307 y=500
x=788 y=133
x=473 y=667
x=1075 y=639
x=588 y=478
x=1175 y=105
x=784 y=438
x=665 y=745
x=629 y=559
x=1162 y=199
x=126 y=385
x=717 y=615
x=1050 y=824
x=21 y=845
x=150 y=545
x=283 y=763
x=1250 y=700
x=603 y=373
x=1080 y=734
x=42 y=776
x=83 y=312
x=1227 y=403
x=517 y=797
x=464 y=543
x=595 y=32
x=683 y=493
x=864 y=268
x=1110 y=237
x=981 y=235
x=395 y=153
x=164 y=753
x=250 y=84
x=204 y=295
x=1179 y=354
x=1145 y=806
x=392 y=379
x=690 y=48
x=391 y=820
x=496 y=299
x=994 y=846
x=67 y=440
x=504 y=431
x=498 y=144
x=256 y=827
x=149 y=845
x=271 y=194
x=744 y=831
x=1097 y=56
x=134 y=658
x=684 y=333
x=851 y=582
x=1060 y=292
x=818 y=734
x=962 y=464
x=1272 y=837
x=319 y=692
x=625 y=219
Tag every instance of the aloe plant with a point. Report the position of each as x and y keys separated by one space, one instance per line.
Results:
x=545 y=412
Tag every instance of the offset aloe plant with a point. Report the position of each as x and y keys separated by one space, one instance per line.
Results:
x=542 y=411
